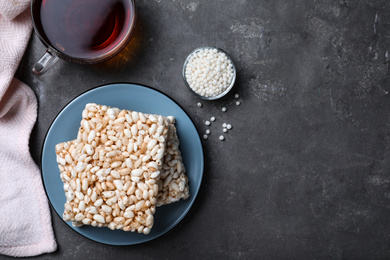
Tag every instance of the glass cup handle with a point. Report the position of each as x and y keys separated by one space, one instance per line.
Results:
x=45 y=62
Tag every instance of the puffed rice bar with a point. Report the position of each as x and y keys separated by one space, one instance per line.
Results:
x=173 y=184
x=111 y=172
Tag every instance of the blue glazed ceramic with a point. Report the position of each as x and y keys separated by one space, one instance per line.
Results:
x=137 y=98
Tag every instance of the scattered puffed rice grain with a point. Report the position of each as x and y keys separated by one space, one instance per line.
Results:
x=225 y=130
x=208 y=131
x=224 y=125
x=237 y=95
x=207 y=123
x=212 y=118
x=238 y=103
x=224 y=109
x=221 y=137
x=199 y=104
x=205 y=137
x=229 y=126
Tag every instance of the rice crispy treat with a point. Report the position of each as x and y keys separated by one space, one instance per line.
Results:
x=173 y=184
x=111 y=172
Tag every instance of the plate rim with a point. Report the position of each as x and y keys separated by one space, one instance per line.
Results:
x=175 y=223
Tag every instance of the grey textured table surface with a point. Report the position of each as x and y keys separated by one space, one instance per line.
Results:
x=305 y=171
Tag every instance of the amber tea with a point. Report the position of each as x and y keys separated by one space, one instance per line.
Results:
x=84 y=29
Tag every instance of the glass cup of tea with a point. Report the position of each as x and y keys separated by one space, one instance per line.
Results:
x=81 y=31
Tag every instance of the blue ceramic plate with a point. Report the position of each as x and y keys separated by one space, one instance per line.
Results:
x=132 y=97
